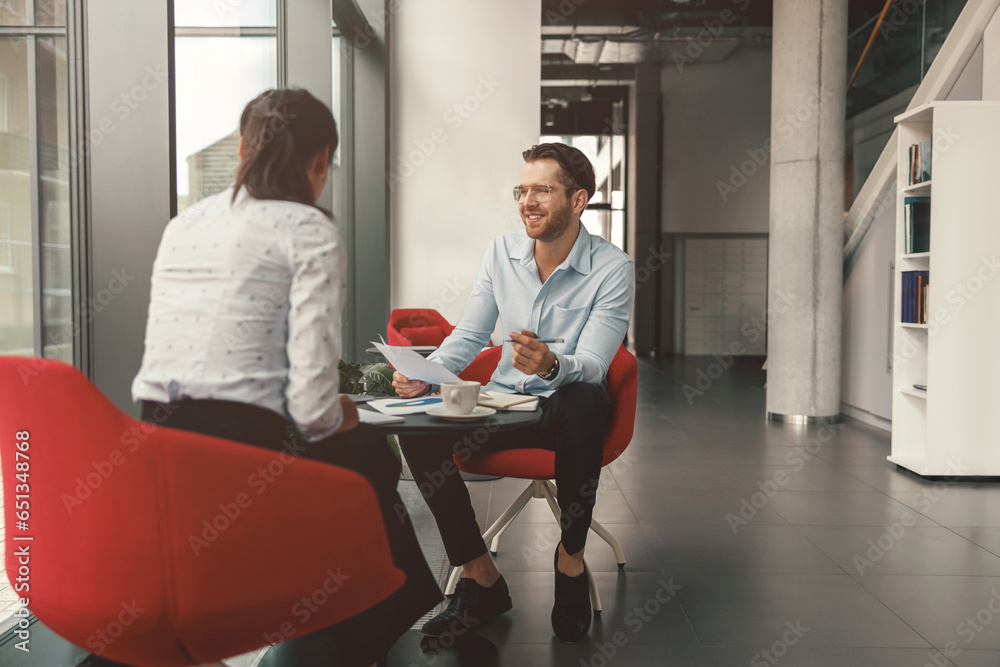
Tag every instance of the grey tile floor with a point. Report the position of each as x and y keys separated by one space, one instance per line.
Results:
x=748 y=543
x=790 y=546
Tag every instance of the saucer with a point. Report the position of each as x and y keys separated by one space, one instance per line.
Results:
x=478 y=412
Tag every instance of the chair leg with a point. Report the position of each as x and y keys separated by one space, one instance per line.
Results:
x=456 y=574
x=595 y=595
x=606 y=535
x=495 y=542
x=549 y=491
x=493 y=533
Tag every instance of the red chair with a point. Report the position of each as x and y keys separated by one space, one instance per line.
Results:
x=417 y=326
x=538 y=465
x=159 y=547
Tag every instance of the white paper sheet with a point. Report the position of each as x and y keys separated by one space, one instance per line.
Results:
x=414 y=366
x=373 y=417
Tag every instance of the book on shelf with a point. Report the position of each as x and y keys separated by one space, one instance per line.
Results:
x=920 y=163
x=924 y=158
x=914 y=297
x=916 y=224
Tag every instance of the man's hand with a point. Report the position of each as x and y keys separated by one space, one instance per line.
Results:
x=350 y=411
x=407 y=388
x=531 y=357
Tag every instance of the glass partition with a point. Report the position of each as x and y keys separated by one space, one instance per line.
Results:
x=17 y=311
x=904 y=48
x=225 y=54
x=36 y=179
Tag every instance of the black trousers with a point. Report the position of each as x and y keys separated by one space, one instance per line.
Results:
x=573 y=424
x=364 y=638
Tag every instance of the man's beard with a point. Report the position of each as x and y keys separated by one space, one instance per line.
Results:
x=557 y=224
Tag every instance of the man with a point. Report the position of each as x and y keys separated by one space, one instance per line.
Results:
x=551 y=281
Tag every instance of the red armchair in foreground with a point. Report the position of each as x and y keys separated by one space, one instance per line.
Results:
x=538 y=465
x=417 y=326
x=159 y=547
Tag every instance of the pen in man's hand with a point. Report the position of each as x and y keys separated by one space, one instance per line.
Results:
x=539 y=340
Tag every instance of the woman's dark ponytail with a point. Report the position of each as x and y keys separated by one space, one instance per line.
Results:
x=283 y=131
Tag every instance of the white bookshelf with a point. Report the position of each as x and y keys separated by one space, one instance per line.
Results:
x=954 y=426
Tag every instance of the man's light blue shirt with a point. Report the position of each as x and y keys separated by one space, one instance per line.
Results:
x=587 y=301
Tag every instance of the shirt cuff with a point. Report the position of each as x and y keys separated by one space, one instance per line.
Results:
x=313 y=435
x=557 y=380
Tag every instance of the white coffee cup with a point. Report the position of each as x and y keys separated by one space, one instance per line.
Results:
x=460 y=398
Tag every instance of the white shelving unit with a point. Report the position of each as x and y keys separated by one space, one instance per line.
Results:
x=952 y=428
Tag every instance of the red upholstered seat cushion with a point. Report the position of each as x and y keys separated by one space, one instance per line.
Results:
x=623 y=386
x=174 y=544
x=423 y=335
x=518 y=463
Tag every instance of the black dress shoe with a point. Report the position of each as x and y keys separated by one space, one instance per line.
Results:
x=470 y=605
x=571 y=611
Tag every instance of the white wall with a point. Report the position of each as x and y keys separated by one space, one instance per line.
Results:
x=713 y=114
x=465 y=91
x=866 y=382
x=991 y=59
x=969 y=85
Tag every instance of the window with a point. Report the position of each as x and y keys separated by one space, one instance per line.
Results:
x=225 y=54
x=6 y=245
x=605 y=214
x=17 y=286
x=4 y=85
x=37 y=267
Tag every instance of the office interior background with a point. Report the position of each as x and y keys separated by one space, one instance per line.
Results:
x=115 y=116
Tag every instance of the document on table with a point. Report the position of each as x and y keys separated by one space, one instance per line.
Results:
x=406 y=406
x=413 y=366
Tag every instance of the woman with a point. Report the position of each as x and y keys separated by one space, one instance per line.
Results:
x=243 y=336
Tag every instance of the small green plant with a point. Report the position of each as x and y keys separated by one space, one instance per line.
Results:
x=369 y=379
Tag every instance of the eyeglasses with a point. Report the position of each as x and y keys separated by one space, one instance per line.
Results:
x=542 y=192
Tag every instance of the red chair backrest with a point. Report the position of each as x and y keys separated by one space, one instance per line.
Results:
x=419 y=319
x=623 y=388
x=482 y=367
x=154 y=546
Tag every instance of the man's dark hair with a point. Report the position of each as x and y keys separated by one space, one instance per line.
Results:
x=283 y=131
x=577 y=172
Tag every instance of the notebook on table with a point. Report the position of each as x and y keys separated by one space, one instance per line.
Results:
x=513 y=402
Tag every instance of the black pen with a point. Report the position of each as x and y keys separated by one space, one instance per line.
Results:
x=540 y=340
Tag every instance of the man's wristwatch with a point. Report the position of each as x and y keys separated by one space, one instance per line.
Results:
x=553 y=371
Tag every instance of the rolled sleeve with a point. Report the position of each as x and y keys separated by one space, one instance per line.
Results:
x=316 y=298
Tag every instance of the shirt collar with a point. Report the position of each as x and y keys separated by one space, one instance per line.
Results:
x=579 y=255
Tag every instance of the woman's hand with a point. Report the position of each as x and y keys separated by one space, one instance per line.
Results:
x=350 y=410
x=407 y=388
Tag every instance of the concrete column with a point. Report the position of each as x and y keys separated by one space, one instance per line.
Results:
x=808 y=75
